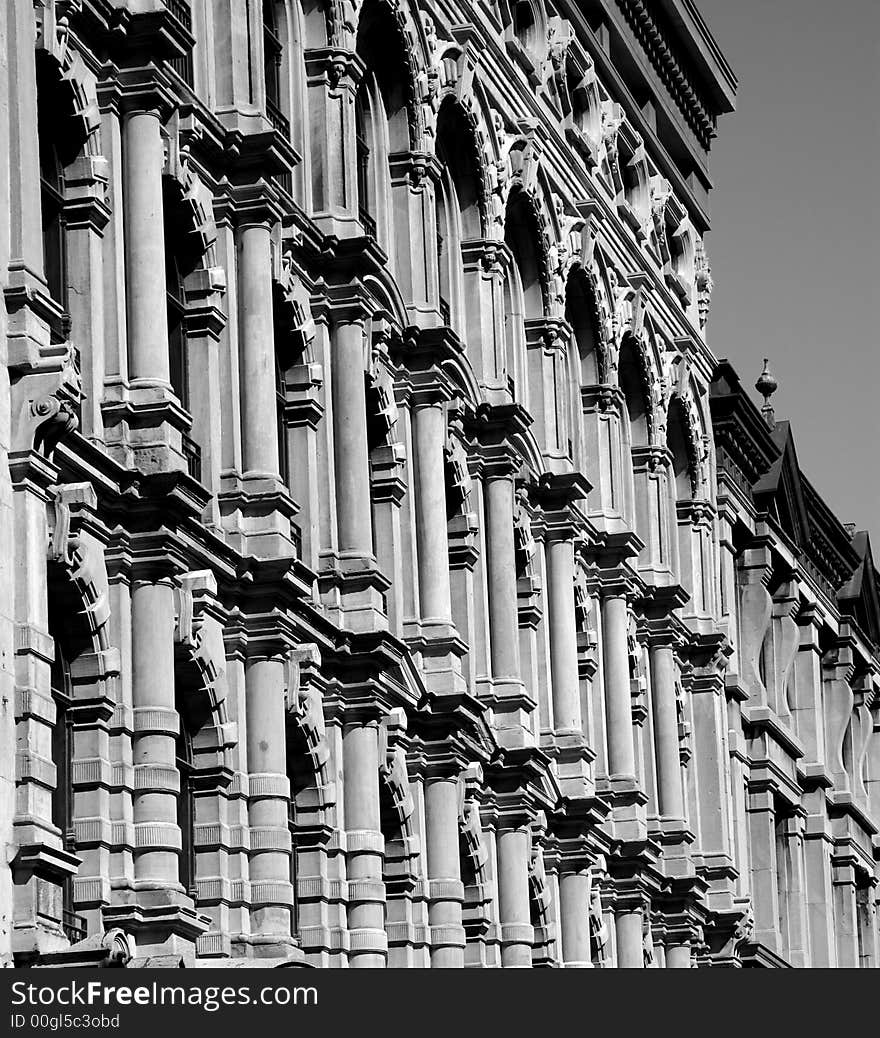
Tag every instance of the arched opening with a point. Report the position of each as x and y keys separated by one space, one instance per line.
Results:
x=521 y=235
x=62 y=795
x=382 y=46
x=525 y=27
x=677 y=442
x=580 y=313
x=631 y=381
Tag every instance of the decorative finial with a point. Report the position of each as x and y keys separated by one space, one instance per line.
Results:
x=767 y=386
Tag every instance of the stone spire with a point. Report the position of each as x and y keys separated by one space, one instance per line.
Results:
x=767 y=386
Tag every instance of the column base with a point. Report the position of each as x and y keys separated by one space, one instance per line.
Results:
x=352 y=590
x=437 y=646
x=256 y=513
x=144 y=426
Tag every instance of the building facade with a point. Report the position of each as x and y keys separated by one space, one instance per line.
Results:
x=391 y=575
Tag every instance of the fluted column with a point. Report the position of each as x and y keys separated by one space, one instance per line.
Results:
x=353 y=515
x=366 y=891
x=563 y=636
x=517 y=933
x=618 y=703
x=143 y=159
x=501 y=576
x=574 y=913
x=670 y=793
x=257 y=364
x=445 y=890
x=430 y=500
x=156 y=724
x=268 y=796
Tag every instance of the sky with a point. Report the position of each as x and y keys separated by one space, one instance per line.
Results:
x=795 y=238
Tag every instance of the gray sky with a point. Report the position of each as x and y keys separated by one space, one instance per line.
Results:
x=796 y=230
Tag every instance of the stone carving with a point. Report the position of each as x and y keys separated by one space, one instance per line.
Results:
x=301 y=325
x=703 y=281
x=305 y=704
x=392 y=766
x=199 y=629
x=45 y=401
x=648 y=959
x=661 y=192
x=456 y=459
x=538 y=879
x=79 y=551
x=599 y=934
x=839 y=670
x=522 y=531
x=469 y=823
x=383 y=386
x=612 y=120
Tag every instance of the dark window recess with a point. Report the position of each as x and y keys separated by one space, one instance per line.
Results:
x=281 y=423
x=74 y=926
x=272 y=53
x=186 y=814
x=177 y=347
x=362 y=165
x=52 y=210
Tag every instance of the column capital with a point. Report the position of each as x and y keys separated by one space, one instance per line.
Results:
x=416 y=168
x=256 y=205
x=348 y=303
x=485 y=253
x=337 y=67
x=604 y=398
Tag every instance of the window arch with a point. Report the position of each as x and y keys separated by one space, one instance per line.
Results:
x=580 y=313
x=521 y=235
x=382 y=46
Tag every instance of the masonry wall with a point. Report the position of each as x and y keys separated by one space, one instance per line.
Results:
x=380 y=593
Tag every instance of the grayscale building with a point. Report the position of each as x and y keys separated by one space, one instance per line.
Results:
x=390 y=573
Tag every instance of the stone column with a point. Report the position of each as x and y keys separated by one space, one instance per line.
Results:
x=156 y=725
x=445 y=890
x=574 y=912
x=430 y=500
x=366 y=891
x=354 y=522
x=501 y=576
x=517 y=933
x=618 y=704
x=257 y=347
x=670 y=796
x=563 y=636
x=630 y=948
x=678 y=956
x=269 y=792
x=143 y=160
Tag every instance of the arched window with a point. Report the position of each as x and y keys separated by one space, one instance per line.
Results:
x=186 y=815
x=272 y=54
x=524 y=26
x=580 y=313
